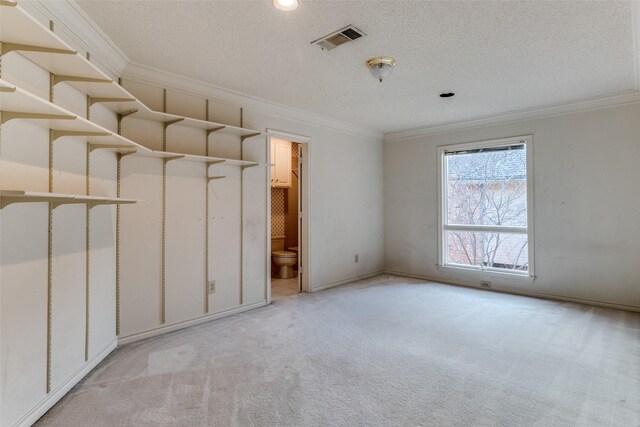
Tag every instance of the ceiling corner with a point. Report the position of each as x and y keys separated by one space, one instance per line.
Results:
x=78 y=29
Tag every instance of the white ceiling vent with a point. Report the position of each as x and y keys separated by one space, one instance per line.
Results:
x=342 y=36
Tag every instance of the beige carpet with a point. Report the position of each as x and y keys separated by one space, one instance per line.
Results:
x=382 y=352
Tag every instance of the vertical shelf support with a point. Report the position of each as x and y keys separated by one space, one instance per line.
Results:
x=50 y=242
x=163 y=296
x=206 y=212
x=164 y=214
x=87 y=302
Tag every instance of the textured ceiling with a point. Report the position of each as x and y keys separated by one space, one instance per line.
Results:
x=498 y=57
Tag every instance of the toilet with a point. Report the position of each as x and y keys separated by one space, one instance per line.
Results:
x=284 y=260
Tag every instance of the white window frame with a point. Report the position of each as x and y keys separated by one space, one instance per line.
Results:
x=443 y=209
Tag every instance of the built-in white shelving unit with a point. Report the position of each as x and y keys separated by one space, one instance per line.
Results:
x=21 y=34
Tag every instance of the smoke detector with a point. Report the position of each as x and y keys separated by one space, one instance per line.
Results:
x=340 y=37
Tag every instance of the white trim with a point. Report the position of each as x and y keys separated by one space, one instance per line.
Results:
x=481 y=274
x=443 y=208
x=485 y=228
x=511 y=291
x=304 y=202
x=287 y=136
x=52 y=398
x=156 y=77
x=346 y=281
x=635 y=15
x=175 y=327
x=596 y=103
x=85 y=33
x=79 y=30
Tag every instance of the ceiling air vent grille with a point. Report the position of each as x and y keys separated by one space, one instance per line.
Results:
x=340 y=37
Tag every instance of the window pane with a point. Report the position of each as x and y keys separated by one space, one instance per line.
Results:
x=496 y=250
x=487 y=188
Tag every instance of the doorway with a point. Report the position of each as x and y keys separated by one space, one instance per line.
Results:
x=288 y=250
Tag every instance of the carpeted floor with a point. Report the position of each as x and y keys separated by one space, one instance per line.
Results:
x=386 y=351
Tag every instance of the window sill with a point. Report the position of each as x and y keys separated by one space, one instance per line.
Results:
x=476 y=273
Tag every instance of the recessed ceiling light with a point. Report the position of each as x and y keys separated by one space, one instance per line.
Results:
x=286 y=5
x=447 y=95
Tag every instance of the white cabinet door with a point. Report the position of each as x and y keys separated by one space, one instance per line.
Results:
x=282 y=159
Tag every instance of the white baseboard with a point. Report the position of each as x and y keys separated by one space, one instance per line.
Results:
x=177 y=326
x=345 y=281
x=515 y=292
x=55 y=395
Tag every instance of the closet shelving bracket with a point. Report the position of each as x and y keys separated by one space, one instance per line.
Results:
x=169 y=158
x=5 y=116
x=61 y=133
x=212 y=178
x=212 y=130
x=98 y=100
x=171 y=122
x=250 y=166
x=251 y=135
x=11 y=47
x=120 y=148
x=61 y=78
x=214 y=162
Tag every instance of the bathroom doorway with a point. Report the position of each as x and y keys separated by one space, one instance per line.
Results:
x=289 y=249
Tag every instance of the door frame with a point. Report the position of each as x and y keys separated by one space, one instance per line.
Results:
x=304 y=234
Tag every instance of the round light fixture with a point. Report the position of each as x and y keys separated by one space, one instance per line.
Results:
x=381 y=66
x=286 y=5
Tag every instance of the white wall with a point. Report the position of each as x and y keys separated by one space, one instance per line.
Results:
x=346 y=205
x=586 y=204
x=346 y=212
x=24 y=165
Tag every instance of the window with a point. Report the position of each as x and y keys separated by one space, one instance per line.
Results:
x=486 y=197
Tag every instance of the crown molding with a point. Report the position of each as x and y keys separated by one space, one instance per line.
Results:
x=635 y=27
x=156 y=77
x=596 y=103
x=81 y=32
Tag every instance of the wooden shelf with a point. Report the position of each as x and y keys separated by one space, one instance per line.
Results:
x=145 y=113
x=8 y=197
x=145 y=152
x=17 y=103
x=21 y=33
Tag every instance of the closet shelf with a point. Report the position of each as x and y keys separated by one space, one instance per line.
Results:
x=145 y=152
x=17 y=103
x=8 y=197
x=20 y=32
x=145 y=113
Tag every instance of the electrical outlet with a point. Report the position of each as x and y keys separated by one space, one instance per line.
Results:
x=212 y=286
x=356 y=258
x=485 y=284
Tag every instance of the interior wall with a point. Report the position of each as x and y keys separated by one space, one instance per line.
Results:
x=586 y=200
x=187 y=236
x=346 y=208
x=24 y=291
